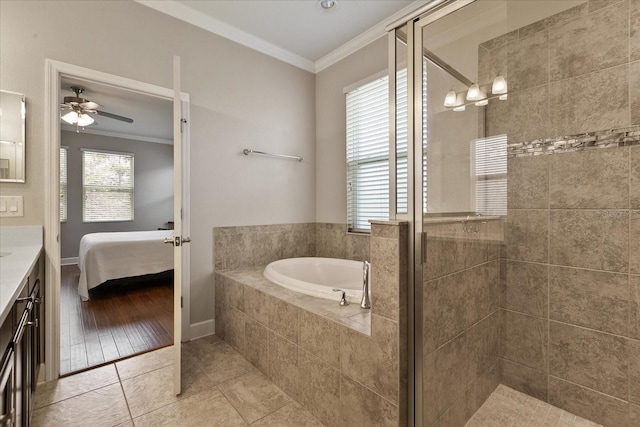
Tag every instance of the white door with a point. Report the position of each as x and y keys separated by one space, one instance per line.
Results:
x=178 y=240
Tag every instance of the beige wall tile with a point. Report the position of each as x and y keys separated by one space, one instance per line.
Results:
x=443 y=379
x=331 y=240
x=599 y=4
x=594 y=299
x=634 y=178
x=634 y=87
x=596 y=41
x=492 y=63
x=590 y=102
x=445 y=309
x=256 y=305
x=357 y=247
x=234 y=333
x=321 y=337
x=483 y=346
x=320 y=389
x=526 y=235
x=524 y=340
x=528 y=61
x=385 y=231
x=476 y=249
x=220 y=307
x=528 y=182
x=445 y=255
x=634 y=309
x=587 y=403
x=528 y=116
x=634 y=415
x=372 y=361
x=283 y=364
x=525 y=287
x=385 y=274
x=579 y=11
x=634 y=42
x=525 y=379
x=361 y=407
x=590 y=179
x=634 y=371
x=283 y=318
x=482 y=388
x=257 y=345
x=593 y=359
x=590 y=239
x=234 y=292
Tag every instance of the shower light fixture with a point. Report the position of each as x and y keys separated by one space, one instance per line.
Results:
x=474 y=94
x=460 y=108
x=499 y=86
x=482 y=103
x=451 y=100
x=503 y=97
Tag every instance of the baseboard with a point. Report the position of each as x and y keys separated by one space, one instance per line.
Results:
x=69 y=261
x=202 y=329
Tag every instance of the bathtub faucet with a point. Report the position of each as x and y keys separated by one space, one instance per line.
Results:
x=366 y=268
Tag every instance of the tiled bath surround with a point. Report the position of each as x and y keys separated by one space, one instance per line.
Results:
x=570 y=294
x=346 y=365
x=461 y=319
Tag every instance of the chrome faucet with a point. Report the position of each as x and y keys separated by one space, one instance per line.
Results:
x=366 y=268
x=343 y=298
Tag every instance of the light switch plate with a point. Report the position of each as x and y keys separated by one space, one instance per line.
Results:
x=11 y=206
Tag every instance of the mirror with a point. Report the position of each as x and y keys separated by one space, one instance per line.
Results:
x=12 y=136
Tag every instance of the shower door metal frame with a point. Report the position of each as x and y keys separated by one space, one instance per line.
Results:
x=415 y=25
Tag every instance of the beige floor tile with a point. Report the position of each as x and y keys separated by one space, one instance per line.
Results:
x=102 y=407
x=64 y=388
x=217 y=359
x=208 y=408
x=253 y=395
x=144 y=363
x=150 y=391
x=292 y=415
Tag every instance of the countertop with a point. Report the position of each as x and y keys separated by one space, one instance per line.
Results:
x=20 y=248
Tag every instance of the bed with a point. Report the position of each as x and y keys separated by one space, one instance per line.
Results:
x=107 y=256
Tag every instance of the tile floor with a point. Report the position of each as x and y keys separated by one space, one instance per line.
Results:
x=220 y=388
x=510 y=408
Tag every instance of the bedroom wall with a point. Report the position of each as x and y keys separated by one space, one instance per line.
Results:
x=153 y=187
x=239 y=99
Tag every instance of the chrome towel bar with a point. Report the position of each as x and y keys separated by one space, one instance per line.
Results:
x=262 y=153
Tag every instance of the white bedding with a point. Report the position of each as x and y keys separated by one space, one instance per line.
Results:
x=106 y=256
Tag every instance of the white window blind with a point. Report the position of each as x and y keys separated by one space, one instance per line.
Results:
x=107 y=186
x=401 y=141
x=368 y=154
x=490 y=165
x=63 y=184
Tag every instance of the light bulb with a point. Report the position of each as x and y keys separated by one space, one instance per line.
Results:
x=482 y=103
x=451 y=99
x=499 y=86
x=460 y=108
x=503 y=97
x=85 y=120
x=473 y=94
x=71 y=117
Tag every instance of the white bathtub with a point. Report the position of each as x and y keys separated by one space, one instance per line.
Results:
x=318 y=276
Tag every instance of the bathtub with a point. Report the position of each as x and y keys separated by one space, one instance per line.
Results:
x=318 y=276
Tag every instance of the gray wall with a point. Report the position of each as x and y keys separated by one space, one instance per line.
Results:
x=153 y=191
x=239 y=99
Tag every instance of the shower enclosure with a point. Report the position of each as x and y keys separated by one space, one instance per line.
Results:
x=516 y=166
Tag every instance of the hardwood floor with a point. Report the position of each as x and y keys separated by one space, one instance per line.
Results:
x=121 y=319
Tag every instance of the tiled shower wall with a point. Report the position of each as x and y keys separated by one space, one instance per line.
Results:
x=258 y=245
x=570 y=296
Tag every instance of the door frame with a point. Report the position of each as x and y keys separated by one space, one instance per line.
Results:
x=54 y=70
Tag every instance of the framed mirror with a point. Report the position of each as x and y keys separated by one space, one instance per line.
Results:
x=12 y=136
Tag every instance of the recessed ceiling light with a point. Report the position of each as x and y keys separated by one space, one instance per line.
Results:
x=328 y=4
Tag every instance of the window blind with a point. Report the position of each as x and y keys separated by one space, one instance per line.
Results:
x=367 y=154
x=107 y=186
x=63 y=184
x=401 y=141
x=490 y=165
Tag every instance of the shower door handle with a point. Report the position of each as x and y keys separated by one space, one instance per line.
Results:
x=177 y=240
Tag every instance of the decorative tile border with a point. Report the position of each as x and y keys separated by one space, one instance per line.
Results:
x=622 y=137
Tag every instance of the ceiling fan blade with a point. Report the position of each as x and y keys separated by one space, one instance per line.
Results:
x=90 y=105
x=114 y=116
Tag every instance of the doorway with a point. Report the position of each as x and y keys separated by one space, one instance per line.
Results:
x=55 y=72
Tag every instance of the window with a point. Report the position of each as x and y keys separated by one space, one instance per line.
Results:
x=490 y=165
x=367 y=154
x=63 y=184
x=107 y=186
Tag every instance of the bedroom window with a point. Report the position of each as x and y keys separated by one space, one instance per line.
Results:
x=367 y=154
x=107 y=186
x=63 y=184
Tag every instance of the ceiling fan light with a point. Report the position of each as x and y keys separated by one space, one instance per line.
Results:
x=473 y=94
x=85 y=120
x=499 y=85
x=71 y=117
x=451 y=99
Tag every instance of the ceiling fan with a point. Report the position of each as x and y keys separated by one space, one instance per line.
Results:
x=80 y=108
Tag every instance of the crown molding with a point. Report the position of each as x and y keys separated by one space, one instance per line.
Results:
x=208 y=23
x=67 y=128
x=365 y=38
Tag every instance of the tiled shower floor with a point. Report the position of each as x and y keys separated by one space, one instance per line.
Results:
x=510 y=408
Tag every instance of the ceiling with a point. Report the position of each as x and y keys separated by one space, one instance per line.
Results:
x=298 y=32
